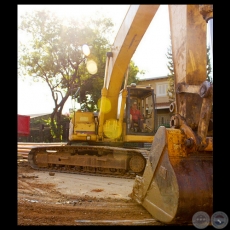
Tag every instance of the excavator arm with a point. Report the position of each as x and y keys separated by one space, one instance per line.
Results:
x=177 y=181
x=193 y=92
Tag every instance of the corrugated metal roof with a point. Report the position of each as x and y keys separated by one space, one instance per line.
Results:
x=38 y=115
x=153 y=78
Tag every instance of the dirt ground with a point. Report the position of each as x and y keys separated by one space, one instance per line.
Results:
x=76 y=200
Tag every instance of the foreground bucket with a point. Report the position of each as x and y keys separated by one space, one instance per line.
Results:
x=175 y=185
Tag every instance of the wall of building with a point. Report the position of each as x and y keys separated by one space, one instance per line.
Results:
x=160 y=85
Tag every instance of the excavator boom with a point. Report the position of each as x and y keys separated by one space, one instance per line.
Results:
x=131 y=31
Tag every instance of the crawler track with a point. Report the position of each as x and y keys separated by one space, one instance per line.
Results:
x=90 y=160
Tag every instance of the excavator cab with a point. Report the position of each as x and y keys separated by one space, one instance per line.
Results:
x=144 y=98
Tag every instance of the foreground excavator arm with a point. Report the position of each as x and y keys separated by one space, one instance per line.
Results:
x=177 y=181
x=193 y=92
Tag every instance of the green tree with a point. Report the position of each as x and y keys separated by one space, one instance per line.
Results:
x=209 y=67
x=54 y=55
x=170 y=66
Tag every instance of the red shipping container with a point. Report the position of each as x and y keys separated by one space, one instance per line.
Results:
x=23 y=125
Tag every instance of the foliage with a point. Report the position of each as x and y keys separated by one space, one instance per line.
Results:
x=209 y=68
x=133 y=70
x=170 y=66
x=53 y=55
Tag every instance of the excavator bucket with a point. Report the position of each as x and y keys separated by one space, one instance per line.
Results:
x=175 y=185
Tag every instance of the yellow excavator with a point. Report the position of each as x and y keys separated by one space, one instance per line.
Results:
x=104 y=142
x=173 y=179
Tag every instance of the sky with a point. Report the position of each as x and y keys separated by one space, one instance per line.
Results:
x=150 y=55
